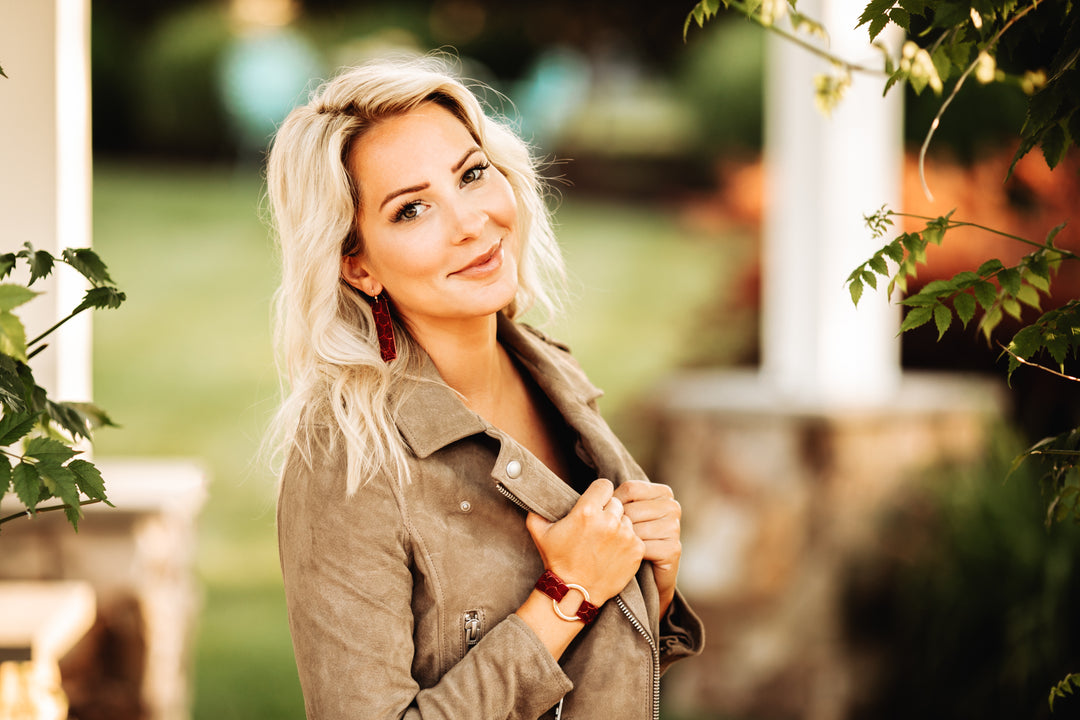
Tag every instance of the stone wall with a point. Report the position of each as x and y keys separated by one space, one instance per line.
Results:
x=776 y=500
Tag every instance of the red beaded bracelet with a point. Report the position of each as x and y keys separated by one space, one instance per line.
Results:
x=551 y=585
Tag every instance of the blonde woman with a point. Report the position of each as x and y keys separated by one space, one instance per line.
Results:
x=461 y=535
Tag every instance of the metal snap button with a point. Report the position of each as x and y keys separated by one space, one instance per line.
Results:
x=513 y=469
x=465 y=506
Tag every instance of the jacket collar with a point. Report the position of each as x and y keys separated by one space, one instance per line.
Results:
x=431 y=415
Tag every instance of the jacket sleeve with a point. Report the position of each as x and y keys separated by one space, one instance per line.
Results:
x=346 y=563
x=682 y=633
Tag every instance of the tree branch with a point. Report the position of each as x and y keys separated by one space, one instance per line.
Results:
x=1022 y=361
x=50 y=508
x=956 y=88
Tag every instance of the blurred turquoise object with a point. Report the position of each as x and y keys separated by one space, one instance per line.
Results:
x=263 y=76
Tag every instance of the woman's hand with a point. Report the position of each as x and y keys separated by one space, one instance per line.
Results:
x=656 y=516
x=594 y=546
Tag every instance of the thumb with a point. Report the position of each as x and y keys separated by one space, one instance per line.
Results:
x=537 y=525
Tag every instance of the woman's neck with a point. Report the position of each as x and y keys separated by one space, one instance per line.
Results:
x=469 y=358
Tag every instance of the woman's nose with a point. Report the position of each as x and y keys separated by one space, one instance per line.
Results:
x=469 y=218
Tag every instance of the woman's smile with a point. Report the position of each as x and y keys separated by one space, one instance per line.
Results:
x=484 y=265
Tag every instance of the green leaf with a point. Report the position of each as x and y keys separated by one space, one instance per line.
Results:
x=13 y=295
x=942 y=318
x=895 y=77
x=895 y=251
x=12 y=336
x=5 y=475
x=990 y=321
x=11 y=387
x=856 y=290
x=877 y=264
x=701 y=12
x=1054 y=144
x=964 y=280
x=1065 y=687
x=901 y=17
x=47 y=450
x=41 y=262
x=939 y=287
x=1012 y=307
x=7 y=264
x=965 y=307
x=61 y=483
x=916 y=317
x=985 y=293
x=1010 y=280
x=101 y=297
x=95 y=416
x=73 y=513
x=989 y=267
x=942 y=62
x=88 y=478
x=27 y=485
x=875 y=9
x=877 y=25
x=1026 y=342
x=1029 y=296
x=960 y=53
x=1037 y=278
x=15 y=426
x=87 y=262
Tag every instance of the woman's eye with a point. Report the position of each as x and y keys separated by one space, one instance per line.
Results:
x=408 y=211
x=474 y=173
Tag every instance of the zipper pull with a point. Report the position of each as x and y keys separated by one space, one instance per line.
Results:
x=472 y=629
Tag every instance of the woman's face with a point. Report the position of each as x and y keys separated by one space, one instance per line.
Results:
x=438 y=222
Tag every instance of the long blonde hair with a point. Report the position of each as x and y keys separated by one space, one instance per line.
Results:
x=324 y=331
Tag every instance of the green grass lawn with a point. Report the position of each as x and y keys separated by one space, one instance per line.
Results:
x=186 y=367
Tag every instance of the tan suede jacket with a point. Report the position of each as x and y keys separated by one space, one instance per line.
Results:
x=401 y=597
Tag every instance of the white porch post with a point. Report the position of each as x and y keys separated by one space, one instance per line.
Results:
x=45 y=161
x=824 y=173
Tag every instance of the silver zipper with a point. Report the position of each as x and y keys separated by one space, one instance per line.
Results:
x=511 y=497
x=655 y=654
x=472 y=629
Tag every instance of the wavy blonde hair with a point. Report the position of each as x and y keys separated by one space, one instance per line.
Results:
x=324 y=332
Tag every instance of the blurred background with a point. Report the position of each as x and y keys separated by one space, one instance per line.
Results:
x=960 y=604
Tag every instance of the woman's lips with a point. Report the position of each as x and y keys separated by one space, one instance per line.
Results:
x=486 y=263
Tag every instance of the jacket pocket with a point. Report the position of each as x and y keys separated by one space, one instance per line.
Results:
x=472 y=629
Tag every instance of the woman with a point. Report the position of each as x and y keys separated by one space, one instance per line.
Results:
x=461 y=535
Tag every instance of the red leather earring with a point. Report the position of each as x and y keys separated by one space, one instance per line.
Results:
x=384 y=326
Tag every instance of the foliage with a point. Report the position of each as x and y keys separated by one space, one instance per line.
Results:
x=949 y=41
x=953 y=39
x=997 y=290
x=1065 y=687
x=47 y=431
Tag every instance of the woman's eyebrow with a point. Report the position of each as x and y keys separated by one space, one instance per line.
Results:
x=464 y=158
x=424 y=186
x=403 y=191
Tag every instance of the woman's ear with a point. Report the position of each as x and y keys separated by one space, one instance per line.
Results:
x=354 y=272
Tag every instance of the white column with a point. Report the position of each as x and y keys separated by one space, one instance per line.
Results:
x=824 y=174
x=45 y=165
